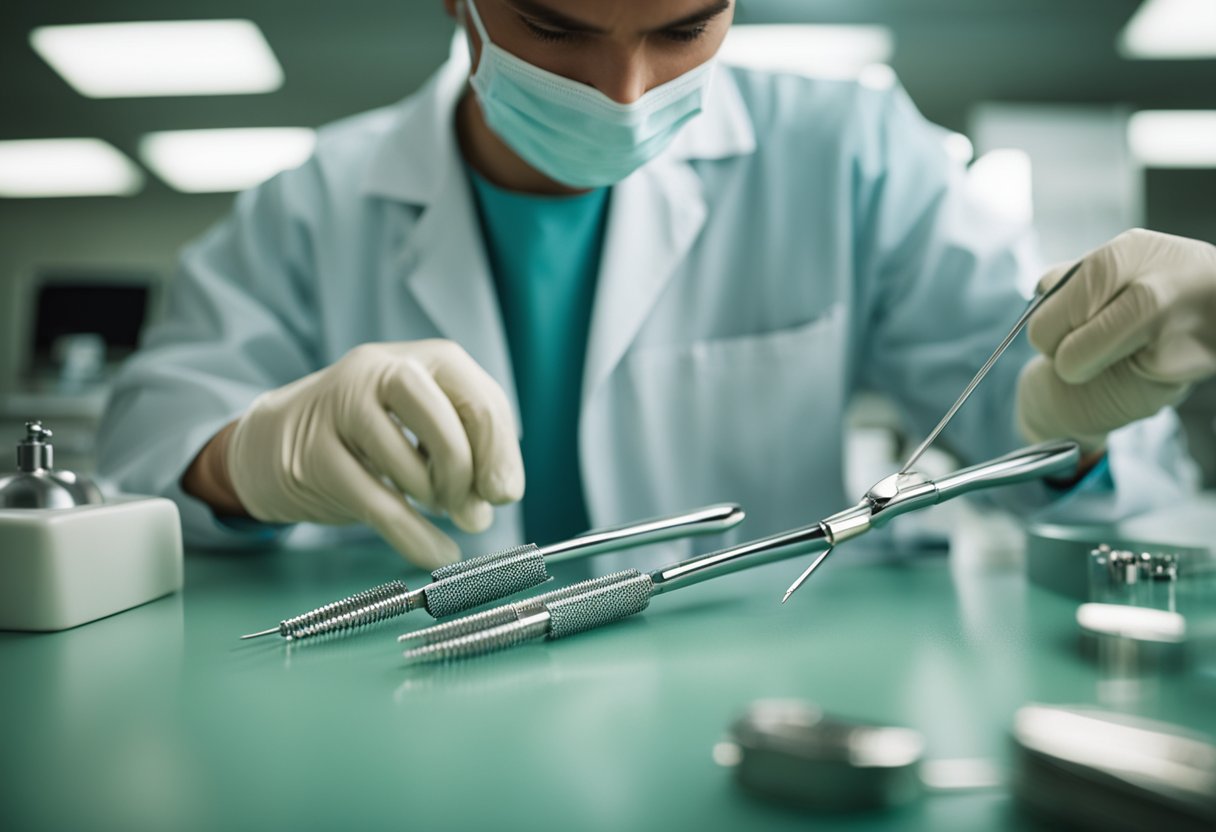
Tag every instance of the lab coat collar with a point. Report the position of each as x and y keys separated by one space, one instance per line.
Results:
x=414 y=157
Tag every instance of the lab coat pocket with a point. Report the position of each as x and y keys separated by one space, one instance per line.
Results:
x=754 y=419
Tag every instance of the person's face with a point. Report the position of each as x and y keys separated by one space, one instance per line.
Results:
x=620 y=47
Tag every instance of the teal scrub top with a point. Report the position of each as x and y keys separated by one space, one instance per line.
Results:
x=544 y=253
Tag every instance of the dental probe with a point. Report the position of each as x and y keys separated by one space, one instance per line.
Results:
x=1034 y=304
x=470 y=583
x=599 y=601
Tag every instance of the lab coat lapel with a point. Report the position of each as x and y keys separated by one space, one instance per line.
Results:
x=654 y=219
x=655 y=216
x=442 y=260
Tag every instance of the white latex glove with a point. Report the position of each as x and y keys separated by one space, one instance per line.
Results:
x=330 y=448
x=1123 y=339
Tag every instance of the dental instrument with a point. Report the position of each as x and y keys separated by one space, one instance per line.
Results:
x=592 y=603
x=1031 y=308
x=906 y=470
x=470 y=583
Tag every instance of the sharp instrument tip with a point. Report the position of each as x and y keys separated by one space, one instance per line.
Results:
x=806 y=573
x=269 y=632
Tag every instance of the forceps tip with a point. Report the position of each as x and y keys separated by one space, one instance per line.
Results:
x=271 y=631
x=806 y=573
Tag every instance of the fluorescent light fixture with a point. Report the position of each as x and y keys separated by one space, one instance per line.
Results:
x=1001 y=180
x=66 y=167
x=201 y=161
x=1173 y=138
x=830 y=51
x=1177 y=29
x=959 y=148
x=186 y=57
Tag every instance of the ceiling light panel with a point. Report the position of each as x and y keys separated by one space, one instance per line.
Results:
x=201 y=161
x=187 y=57
x=1171 y=29
x=1173 y=138
x=66 y=167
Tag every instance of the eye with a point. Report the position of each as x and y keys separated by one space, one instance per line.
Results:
x=687 y=34
x=545 y=32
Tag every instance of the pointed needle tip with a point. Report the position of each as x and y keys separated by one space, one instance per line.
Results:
x=801 y=579
x=269 y=632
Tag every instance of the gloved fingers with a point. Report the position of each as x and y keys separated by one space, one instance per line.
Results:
x=1044 y=408
x=474 y=515
x=387 y=449
x=1053 y=276
x=489 y=423
x=410 y=392
x=1120 y=395
x=1050 y=408
x=1121 y=328
x=1088 y=291
x=498 y=465
x=373 y=502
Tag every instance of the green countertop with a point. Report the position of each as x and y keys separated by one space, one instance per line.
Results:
x=159 y=718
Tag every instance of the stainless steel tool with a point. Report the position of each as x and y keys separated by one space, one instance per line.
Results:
x=1031 y=308
x=894 y=481
x=37 y=483
x=1080 y=767
x=612 y=597
x=470 y=583
x=1071 y=767
x=793 y=752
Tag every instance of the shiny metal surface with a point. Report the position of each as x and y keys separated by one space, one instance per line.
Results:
x=504 y=614
x=1031 y=308
x=708 y=520
x=1059 y=557
x=890 y=501
x=35 y=452
x=470 y=583
x=794 y=753
x=360 y=610
x=1115 y=771
x=38 y=490
x=748 y=555
x=1023 y=465
x=806 y=573
x=1125 y=566
x=36 y=484
x=564 y=612
x=908 y=491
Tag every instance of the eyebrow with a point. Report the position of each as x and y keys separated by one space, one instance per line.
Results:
x=544 y=14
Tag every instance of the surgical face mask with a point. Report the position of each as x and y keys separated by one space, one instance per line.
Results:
x=571 y=132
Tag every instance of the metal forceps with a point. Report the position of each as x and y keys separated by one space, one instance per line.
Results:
x=883 y=489
x=590 y=604
x=470 y=583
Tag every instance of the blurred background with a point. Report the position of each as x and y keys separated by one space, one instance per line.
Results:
x=119 y=144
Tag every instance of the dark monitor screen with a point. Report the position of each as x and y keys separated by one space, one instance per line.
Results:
x=115 y=311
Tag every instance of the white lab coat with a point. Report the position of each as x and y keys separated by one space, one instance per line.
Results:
x=800 y=240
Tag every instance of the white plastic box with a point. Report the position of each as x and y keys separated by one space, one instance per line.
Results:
x=60 y=568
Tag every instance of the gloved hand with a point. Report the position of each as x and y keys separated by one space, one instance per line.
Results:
x=1124 y=338
x=330 y=447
